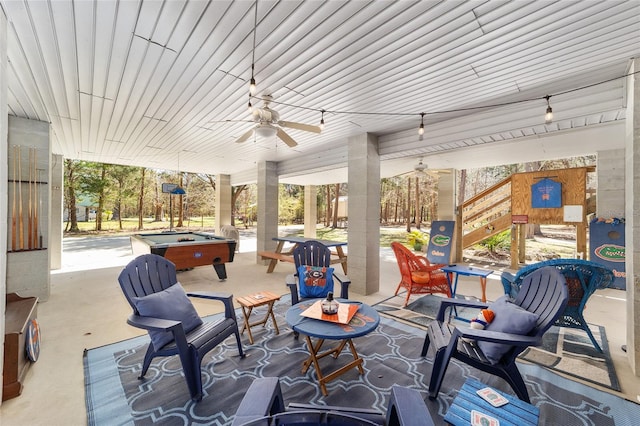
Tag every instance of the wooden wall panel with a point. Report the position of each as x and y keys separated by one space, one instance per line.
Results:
x=574 y=187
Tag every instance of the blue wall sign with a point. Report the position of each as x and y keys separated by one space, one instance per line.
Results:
x=546 y=194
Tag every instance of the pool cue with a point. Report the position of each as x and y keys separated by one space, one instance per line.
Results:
x=21 y=219
x=40 y=242
x=30 y=207
x=35 y=199
x=13 y=210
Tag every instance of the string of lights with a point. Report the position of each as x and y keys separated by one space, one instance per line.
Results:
x=548 y=113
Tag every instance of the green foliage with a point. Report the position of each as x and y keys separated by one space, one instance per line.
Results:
x=498 y=241
x=417 y=239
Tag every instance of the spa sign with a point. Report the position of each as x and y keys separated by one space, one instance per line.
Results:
x=546 y=193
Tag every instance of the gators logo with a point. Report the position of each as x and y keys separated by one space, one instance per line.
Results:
x=610 y=252
x=441 y=240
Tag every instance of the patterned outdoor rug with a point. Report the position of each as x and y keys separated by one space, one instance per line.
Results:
x=564 y=350
x=114 y=395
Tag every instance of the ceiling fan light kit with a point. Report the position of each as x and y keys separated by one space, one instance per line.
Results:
x=266 y=130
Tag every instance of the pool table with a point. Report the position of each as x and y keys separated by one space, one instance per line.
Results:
x=187 y=249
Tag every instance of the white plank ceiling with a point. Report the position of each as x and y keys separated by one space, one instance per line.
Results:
x=164 y=84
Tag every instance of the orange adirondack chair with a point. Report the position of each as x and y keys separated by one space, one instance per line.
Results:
x=418 y=275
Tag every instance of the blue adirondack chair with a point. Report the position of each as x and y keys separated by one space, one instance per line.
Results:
x=516 y=326
x=314 y=253
x=583 y=279
x=161 y=307
x=263 y=405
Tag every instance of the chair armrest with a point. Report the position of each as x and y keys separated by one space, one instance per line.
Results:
x=291 y=281
x=447 y=303
x=407 y=407
x=344 y=284
x=225 y=298
x=263 y=398
x=497 y=337
x=159 y=324
x=151 y=323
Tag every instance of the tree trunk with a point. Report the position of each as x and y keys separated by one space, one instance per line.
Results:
x=141 y=201
x=335 y=206
x=417 y=214
x=408 y=206
x=328 y=213
x=181 y=205
x=157 y=216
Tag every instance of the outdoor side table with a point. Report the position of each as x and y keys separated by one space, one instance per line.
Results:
x=253 y=301
x=468 y=271
x=515 y=413
x=363 y=322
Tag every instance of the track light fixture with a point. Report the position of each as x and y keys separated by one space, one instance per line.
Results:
x=322 y=120
x=421 y=129
x=548 y=116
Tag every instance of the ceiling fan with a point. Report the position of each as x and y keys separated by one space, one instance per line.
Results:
x=422 y=169
x=269 y=124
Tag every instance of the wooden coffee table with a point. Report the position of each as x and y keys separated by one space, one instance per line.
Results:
x=254 y=300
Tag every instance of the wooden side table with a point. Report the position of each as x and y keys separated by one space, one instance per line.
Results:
x=515 y=413
x=363 y=322
x=252 y=301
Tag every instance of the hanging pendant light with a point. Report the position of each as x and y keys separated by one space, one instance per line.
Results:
x=548 y=116
x=322 y=120
x=421 y=129
x=252 y=82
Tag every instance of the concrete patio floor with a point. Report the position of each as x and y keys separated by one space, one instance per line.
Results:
x=86 y=310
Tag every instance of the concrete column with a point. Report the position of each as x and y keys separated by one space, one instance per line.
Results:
x=447 y=195
x=4 y=147
x=610 y=191
x=223 y=207
x=267 y=227
x=447 y=207
x=364 y=214
x=310 y=210
x=57 y=210
x=632 y=216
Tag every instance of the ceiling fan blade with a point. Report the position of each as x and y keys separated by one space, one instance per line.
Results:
x=286 y=138
x=245 y=136
x=300 y=126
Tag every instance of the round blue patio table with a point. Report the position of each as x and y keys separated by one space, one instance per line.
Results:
x=365 y=320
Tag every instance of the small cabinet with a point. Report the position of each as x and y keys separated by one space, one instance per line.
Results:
x=21 y=333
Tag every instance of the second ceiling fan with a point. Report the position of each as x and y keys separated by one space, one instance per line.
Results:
x=268 y=124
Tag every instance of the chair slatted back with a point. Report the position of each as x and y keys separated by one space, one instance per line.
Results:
x=407 y=261
x=311 y=253
x=146 y=274
x=543 y=292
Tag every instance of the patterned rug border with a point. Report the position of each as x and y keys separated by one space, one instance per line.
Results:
x=110 y=400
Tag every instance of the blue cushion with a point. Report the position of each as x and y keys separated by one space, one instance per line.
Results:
x=509 y=318
x=170 y=304
x=315 y=281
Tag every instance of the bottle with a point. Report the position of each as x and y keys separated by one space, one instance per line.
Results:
x=329 y=305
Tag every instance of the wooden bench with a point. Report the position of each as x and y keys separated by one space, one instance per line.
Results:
x=275 y=257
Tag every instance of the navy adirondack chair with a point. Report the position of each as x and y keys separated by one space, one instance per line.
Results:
x=314 y=253
x=583 y=279
x=161 y=307
x=541 y=299
x=263 y=405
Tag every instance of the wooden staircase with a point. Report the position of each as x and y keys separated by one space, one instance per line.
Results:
x=486 y=214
